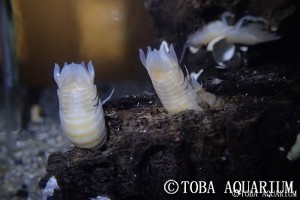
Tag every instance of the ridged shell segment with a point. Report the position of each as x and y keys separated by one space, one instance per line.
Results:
x=175 y=92
x=81 y=116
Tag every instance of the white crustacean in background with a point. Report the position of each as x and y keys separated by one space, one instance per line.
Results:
x=80 y=109
x=220 y=37
x=176 y=92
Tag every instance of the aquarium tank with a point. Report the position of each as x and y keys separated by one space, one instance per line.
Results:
x=149 y=99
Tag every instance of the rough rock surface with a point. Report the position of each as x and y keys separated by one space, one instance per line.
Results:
x=248 y=139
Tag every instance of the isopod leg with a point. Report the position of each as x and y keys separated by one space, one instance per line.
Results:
x=142 y=57
x=109 y=97
x=240 y=23
x=56 y=73
x=224 y=17
x=183 y=53
x=91 y=70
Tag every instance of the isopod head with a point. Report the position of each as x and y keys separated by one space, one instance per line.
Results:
x=157 y=62
x=74 y=74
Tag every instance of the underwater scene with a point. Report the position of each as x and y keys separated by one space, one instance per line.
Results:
x=149 y=99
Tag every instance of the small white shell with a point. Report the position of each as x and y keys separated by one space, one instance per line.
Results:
x=221 y=49
x=80 y=108
x=294 y=153
x=50 y=187
x=173 y=89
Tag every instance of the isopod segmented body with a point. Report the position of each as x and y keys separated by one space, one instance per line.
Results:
x=80 y=108
x=173 y=89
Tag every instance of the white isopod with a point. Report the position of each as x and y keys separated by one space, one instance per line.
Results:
x=176 y=92
x=241 y=33
x=80 y=109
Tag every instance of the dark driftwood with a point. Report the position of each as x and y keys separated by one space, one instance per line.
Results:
x=146 y=146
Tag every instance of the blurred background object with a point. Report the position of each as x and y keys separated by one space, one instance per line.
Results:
x=10 y=102
x=8 y=46
x=108 y=32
